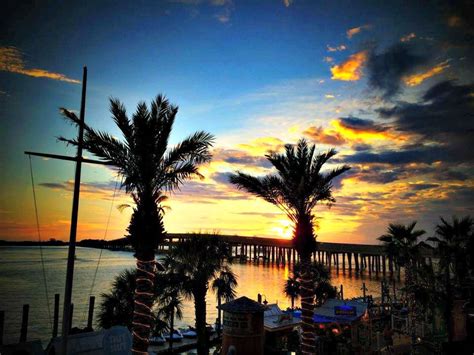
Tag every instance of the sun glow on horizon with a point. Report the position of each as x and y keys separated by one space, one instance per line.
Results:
x=284 y=229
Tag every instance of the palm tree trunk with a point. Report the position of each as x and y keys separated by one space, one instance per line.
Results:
x=411 y=302
x=219 y=316
x=448 y=314
x=200 y=313
x=171 y=331
x=143 y=301
x=308 y=345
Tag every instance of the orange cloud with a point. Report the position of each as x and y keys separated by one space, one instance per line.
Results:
x=337 y=48
x=356 y=30
x=11 y=61
x=417 y=79
x=408 y=37
x=324 y=136
x=363 y=134
x=351 y=69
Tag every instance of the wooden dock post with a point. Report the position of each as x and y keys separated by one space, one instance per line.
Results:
x=2 y=325
x=343 y=263
x=56 y=315
x=90 y=316
x=71 y=314
x=24 y=323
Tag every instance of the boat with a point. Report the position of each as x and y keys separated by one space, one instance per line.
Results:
x=157 y=340
x=177 y=336
x=188 y=332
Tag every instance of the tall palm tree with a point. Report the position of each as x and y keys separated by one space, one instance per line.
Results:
x=148 y=169
x=116 y=307
x=292 y=290
x=401 y=242
x=170 y=302
x=452 y=240
x=296 y=188
x=171 y=307
x=198 y=261
x=224 y=287
x=322 y=287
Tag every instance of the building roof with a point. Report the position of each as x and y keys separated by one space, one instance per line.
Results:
x=275 y=320
x=243 y=305
x=327 y=312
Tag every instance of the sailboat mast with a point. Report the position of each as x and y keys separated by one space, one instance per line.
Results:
x=66 y=324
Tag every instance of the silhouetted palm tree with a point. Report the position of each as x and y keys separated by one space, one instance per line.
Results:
x=322 y=287
x=148 y=169
x=402 y=244
x=224 y=287
x=296 y=188
x=199 y=261
x=452 y=241
x=292 y=290
x=116 y=307
x=171 y=307
x=323 y=291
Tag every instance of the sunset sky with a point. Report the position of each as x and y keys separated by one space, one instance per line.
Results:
x=390 y=86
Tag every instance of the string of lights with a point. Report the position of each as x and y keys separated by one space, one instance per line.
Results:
x=142 y=313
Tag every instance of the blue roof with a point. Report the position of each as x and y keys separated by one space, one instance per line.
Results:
x=327 y=312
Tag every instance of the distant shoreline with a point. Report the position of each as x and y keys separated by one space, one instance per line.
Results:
x=117 y=244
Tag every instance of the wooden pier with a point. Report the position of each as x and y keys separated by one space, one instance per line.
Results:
x=343 y=257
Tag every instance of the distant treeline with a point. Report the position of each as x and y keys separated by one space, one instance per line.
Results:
x=88 y=243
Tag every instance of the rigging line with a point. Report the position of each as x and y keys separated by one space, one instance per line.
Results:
x=101 y=249
x=40 y=246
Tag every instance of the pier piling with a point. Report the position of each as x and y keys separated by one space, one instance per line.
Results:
x=24 y=323
x=2 y=325
x=71 y=314
x=91 y=312
x=56 y=315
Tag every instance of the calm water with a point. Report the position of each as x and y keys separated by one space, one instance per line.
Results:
x=21 y=282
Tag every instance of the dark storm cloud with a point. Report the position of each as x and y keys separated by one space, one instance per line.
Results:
x=445 y=115
x=361 y=147
x=382 y=177
x=360 y=124
x=85 y=186
x=419 y=187
x=249 y=160
x=222 y=178
x=53 y=185
x=397 y=157
x=386 y=69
